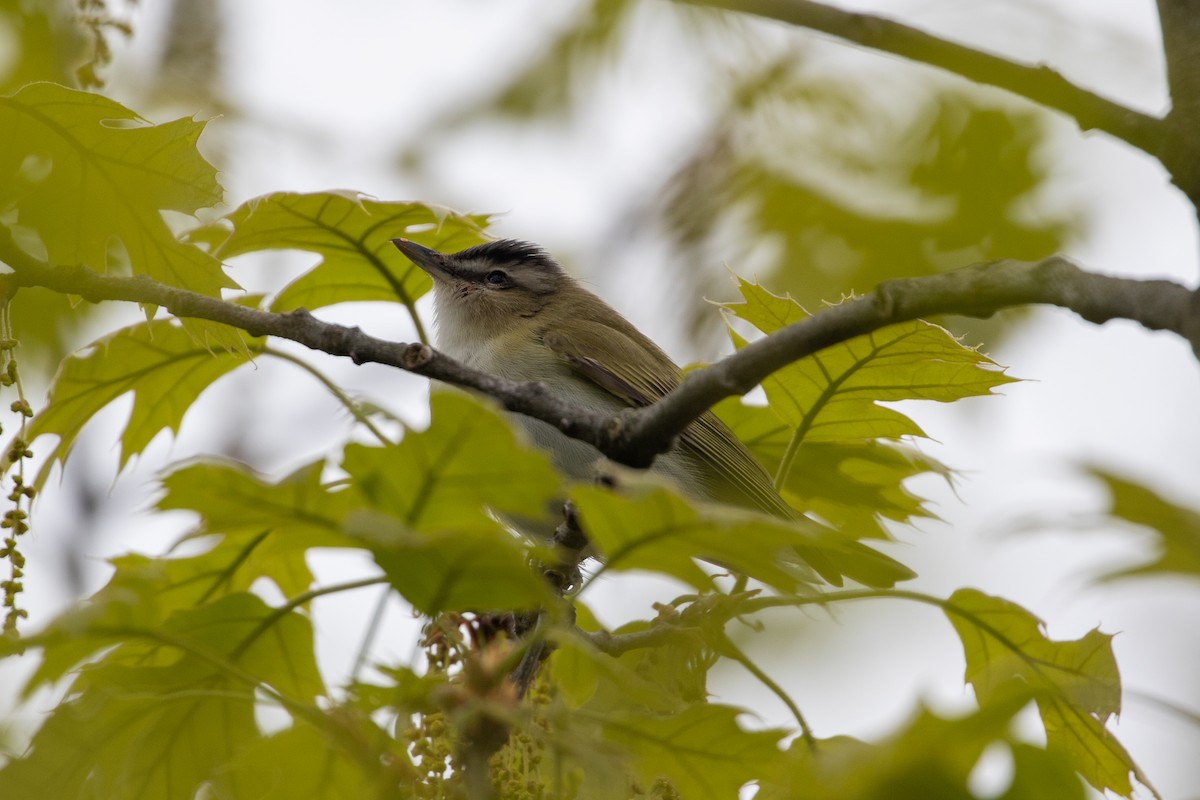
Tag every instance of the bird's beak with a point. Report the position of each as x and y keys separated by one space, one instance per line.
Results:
x=431 y=261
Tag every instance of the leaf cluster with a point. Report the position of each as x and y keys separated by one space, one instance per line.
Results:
x=165 y=670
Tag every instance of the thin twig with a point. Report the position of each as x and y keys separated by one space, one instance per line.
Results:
x=1038 y=83
x=727 y=648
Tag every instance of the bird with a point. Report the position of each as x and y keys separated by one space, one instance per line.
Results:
x=507 y=308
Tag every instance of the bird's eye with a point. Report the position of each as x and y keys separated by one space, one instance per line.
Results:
x=496 y=278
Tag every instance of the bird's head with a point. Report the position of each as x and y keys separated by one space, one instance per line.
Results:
x=491 y=287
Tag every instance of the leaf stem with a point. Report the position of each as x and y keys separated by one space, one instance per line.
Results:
x=297 y=601
x=324 y=721
x=343 y=398
x=226 y=575
x=789 y=456
x=731 y=650
x=372 y=631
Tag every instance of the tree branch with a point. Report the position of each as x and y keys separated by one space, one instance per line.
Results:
x=1180 y=24
x=532 y=399
x=1179 y=21
x=977 y=291
x=635 y=436
x=1039 y=83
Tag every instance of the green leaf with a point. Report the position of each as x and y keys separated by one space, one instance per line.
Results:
x=169 y=706
x=427 y=509
x=160 y=362
x=1075 y=683
x=641 y=680
x=469 y=569
x=930 y=758
x=409 y=691
x=273 y=647
x=852 y=485
x=1177 y=528
x=834 y=395
x=266 y=528
x=143 y=592
x=1003 y=641
x=1041 y=775
x=448 y=476
x=230 y=566
x=677 y=671
x=127 y=603
x=239 y=627
x=136 y=733
x=298 y=764
x=660 y=532
x=84 y=172
x=820 y=211
x=827 y=455
x=351 y=233
x=702 y=750
x=548 y=82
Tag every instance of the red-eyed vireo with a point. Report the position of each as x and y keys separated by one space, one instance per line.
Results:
x=508 y=309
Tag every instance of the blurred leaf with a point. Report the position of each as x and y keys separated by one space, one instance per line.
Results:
x=274 y=648
x=447 y=477
x=232 y=499
x=1041 y=775
x=408 y=691
x=297 y=764
x=1177 y=528
x=43 y=44
x=468 y=569
x=135 y=733
x=702 y=750
x=549 y=82
x=164 y=367
x=663 y=677
x=677 y=670
x=660 y=532
x=83 y=172
x=428 y=505
x=50 y=325
x=256 y=531
x=589 y=678
x=351 y=233
x=1075 y=683
x=816 y=178
x=124 y=613
x=929 y=758
x=143 y=591
x=129 y=602
x=232 y=565
x=167 y=708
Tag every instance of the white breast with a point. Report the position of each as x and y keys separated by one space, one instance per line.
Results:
x=514 y=357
